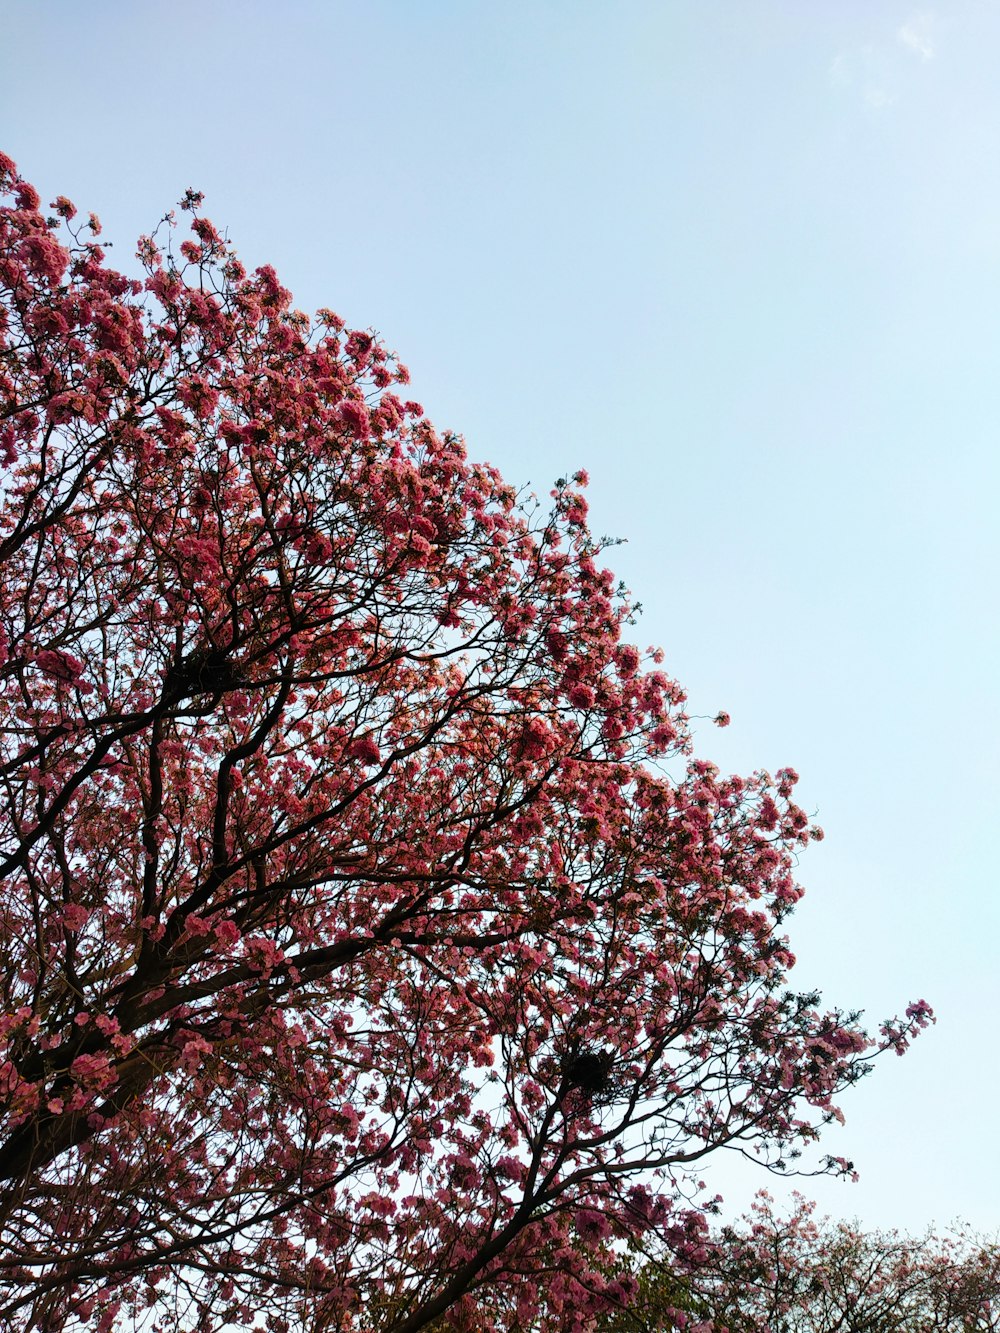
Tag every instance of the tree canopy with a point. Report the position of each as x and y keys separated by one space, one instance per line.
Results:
x=795 y=1274
x=373 y=944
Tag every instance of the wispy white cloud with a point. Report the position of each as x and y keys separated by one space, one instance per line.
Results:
x=867 y=72
x=876 y=72
x=878 y=98
x=840 y=71
x=915 y=35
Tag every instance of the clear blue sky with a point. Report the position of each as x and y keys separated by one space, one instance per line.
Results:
x=740 y=260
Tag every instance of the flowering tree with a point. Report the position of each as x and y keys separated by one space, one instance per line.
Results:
x=795 y=1275
x=371 y=940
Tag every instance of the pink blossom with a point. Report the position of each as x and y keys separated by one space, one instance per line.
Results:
x=45 y=257
x=91 y=1071
x=61 y=665
x=227 y=934
x=74 y=916
x=358 y=346
x=920 y=1012
x=319 y=549
x=663 y=735
x=534 y=740
x=354 y=416
x=627 y=657
x=193 y=1051
x=768 y=817
x=364 y=749
x=592 y=1225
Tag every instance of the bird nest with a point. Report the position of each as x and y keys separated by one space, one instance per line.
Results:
x=204 y=671
x=590 y=1073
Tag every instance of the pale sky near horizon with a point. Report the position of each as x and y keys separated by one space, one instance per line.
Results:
x=740 y=260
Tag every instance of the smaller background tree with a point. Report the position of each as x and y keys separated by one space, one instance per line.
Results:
x=774 y=1274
